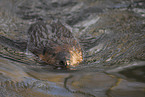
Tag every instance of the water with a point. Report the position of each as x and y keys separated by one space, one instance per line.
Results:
x=112 y=35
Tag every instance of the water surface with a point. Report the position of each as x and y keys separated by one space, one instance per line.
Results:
x=112 y=35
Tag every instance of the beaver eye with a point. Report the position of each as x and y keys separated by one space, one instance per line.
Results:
x=44 y=51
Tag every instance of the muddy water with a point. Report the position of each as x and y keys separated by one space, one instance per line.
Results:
x=112 y=35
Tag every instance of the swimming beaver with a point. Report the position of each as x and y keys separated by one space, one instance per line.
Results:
x=54 y=44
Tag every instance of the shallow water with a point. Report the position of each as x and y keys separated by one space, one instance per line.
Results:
x=112 y=35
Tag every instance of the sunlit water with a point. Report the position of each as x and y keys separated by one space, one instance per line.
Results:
x=112 y=35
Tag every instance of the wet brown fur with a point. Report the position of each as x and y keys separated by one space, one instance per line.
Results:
x=54 y=44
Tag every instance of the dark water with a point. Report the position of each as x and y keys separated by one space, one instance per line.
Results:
x=112 y=34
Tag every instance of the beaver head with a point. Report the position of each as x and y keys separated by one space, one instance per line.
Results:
x=54 y=44
x=62 y=56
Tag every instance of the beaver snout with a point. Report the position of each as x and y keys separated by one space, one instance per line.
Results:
x=62 y=58
x=59 y=60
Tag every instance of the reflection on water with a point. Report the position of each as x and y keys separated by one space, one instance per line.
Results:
x=111 y=33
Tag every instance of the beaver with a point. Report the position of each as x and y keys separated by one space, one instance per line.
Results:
x=54 y=44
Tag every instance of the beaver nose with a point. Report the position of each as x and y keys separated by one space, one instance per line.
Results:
x=62 y=63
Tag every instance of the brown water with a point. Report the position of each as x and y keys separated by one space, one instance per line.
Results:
x=112 y=34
